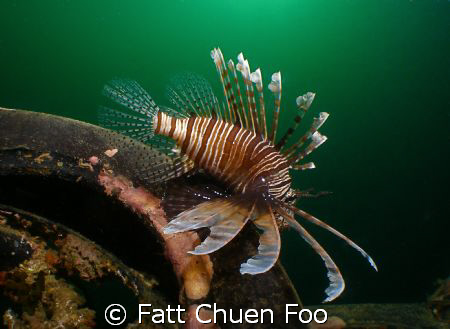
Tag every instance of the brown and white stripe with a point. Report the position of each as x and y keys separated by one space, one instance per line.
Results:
x=233 y=154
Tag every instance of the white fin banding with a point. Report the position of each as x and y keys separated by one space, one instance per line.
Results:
x=234 y=112
x=309 y=165
x=244 y=68
x=317 y=139
x=303 y=103
x=257 y=80
x=244 y=122
x=275 y=88
x=216 y=55
x=291 y=152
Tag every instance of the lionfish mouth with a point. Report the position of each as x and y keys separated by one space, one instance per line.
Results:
x=232 y=142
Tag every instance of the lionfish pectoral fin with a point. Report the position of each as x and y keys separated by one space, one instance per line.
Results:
x=229 y=224
x=269 y=245
x=205 y=214
x=225 y=217
x=337 y=284
x=186 y=193
x=318 y=222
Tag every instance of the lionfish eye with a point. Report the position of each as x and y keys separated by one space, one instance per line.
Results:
x=259 y=185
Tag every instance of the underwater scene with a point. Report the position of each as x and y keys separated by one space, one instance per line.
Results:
x=224 y=164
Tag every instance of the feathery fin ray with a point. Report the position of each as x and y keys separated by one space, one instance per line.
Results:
x=320 y=223
x=269 y=243
x=225 y=217
x=337 y=284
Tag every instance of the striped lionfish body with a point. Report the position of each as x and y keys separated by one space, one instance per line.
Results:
x=237 y=156
x=232 y=143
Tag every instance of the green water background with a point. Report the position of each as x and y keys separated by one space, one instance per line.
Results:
x=380 y=68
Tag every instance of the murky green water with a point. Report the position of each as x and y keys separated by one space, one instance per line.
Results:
x=380 y=68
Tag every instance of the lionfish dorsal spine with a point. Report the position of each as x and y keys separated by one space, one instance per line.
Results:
x=244 y=69
x=226 y=84
x=275 y=88
x=293 y=153
x=256 y=78
x=303 y=104
x=242 y=114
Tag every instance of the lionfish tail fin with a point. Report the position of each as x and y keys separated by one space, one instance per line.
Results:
x=269 y=243
x=320 y=223
x=337 y=284
x=136 y=118
x=225 y=217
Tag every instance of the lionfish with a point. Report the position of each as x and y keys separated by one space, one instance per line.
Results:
x=232 y=143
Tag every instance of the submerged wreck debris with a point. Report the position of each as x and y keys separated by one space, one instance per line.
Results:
x=43 y=157
x=439 y=301
x=56 y=305
x=14 y=249
x=83 y=259
x=41 y=286
x=94 y=160
x=46 y=301
x=86 y=165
